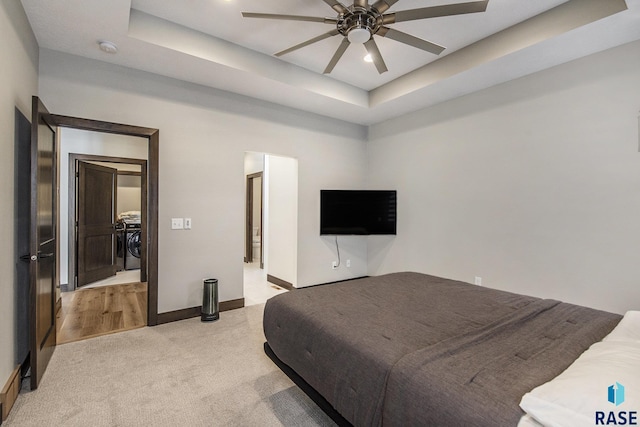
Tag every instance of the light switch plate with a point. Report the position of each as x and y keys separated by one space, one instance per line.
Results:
x=187 y=223
x=177 y=224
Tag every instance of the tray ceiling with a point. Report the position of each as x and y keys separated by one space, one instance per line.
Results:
x=208 y=42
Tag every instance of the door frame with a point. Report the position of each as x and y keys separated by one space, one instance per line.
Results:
x=150 y=204
x=72 y=246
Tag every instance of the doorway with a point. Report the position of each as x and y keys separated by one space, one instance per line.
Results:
x=149 y=209
x=125 y=258
x=271 y=218
x=103 y=217
x=106 y=291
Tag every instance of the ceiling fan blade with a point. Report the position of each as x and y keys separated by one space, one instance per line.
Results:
x=372 y=49
x=405 y=38
x=308 y=42
x=383 y=5
x=361 y=3
x=337 y=6
x=436 y=11
x=289 y=17
x=336 y=56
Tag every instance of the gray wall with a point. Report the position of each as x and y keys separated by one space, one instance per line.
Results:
x=533 y=185
x=18 y=82
x=204 y=134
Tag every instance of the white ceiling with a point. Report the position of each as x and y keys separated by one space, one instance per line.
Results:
x=208 y=42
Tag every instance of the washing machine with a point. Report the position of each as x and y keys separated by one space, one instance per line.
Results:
x=133 y=245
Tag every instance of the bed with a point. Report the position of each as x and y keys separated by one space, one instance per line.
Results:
x=410 y=349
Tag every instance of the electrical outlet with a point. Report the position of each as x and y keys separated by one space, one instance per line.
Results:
x=478 y=281
x=187 y=223
x=177 y=224
x=348 y=263
x=334 y=264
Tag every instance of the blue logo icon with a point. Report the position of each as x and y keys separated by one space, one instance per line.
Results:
x=616 y=394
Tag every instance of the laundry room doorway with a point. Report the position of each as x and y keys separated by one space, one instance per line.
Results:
x=104 y=265
x=104 y=210
x=106 y=196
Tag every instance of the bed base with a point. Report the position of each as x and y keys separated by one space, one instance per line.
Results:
x=307 y=389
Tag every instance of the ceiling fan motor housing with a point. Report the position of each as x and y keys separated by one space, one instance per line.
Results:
x=361 y=20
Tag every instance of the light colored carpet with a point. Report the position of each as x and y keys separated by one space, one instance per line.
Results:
x=184 y=373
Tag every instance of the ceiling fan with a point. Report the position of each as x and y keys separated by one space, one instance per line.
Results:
x=359 y=22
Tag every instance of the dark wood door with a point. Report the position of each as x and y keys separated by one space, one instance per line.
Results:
x=248 y=248
x=42 y=242
x=96 y=222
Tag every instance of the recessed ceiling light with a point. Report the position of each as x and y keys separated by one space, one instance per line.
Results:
x=107 y=46
x=368 y=58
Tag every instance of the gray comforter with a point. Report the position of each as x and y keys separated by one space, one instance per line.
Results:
x=411 y=349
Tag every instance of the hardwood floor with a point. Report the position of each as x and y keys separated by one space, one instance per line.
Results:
x=88 y=313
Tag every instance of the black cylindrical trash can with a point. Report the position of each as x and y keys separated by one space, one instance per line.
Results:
x=210 y=301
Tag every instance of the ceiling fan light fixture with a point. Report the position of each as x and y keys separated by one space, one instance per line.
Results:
x=359 y=35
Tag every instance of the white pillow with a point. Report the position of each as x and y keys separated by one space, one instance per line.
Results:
x=573 y=397
x=628 y=329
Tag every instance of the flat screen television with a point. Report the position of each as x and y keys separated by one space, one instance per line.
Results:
x=357 y=212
